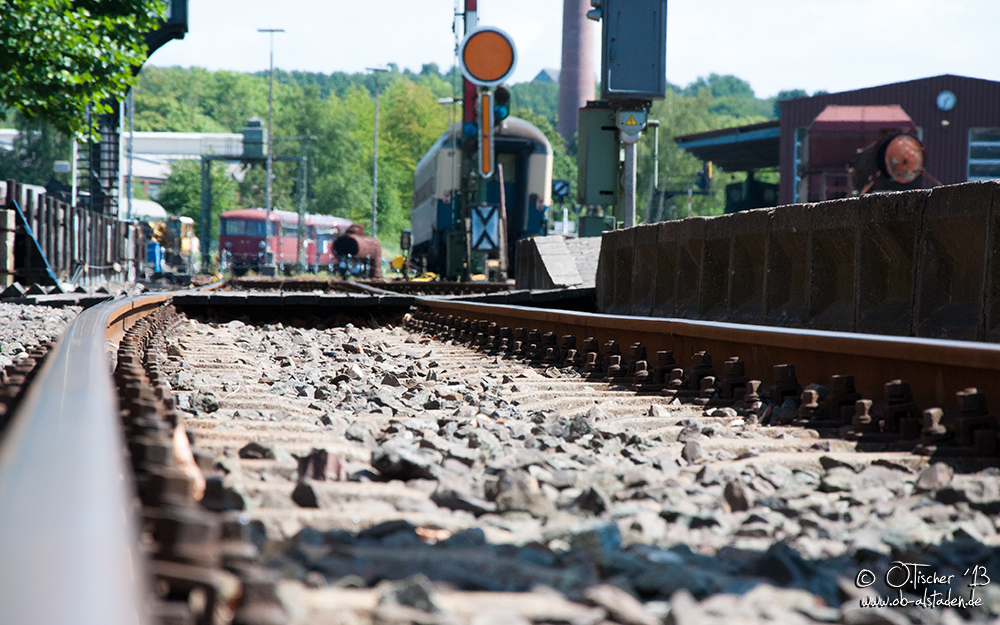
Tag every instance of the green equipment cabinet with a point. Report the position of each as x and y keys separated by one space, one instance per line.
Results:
x=597 y=156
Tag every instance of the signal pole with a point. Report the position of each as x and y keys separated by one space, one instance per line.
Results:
x=375 y=71
x=270 y=141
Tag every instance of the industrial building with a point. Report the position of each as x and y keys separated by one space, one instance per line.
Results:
x=955 y=117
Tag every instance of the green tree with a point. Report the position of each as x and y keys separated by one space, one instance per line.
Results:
x=542 y=98
x=37 y=147
x=57 y=57
x=181 y=194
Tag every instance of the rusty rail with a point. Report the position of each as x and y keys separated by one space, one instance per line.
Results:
x=936 y=369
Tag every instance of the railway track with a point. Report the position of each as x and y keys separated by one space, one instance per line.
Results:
x=401 y=459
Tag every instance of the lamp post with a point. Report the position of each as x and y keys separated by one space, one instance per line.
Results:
x=375 y=71
x=268 y=259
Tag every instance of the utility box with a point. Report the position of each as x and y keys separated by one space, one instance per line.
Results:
x=597 y=156
x=591 y=226
x=254 y=139
x=634 y=49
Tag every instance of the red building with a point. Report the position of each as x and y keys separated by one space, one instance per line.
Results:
x=957 y=119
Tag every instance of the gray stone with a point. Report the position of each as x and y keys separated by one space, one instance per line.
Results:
x=304 y=496
x=658 y=411
x=415 y=592
x=690 y=432
x=401 y=464
x=483 y=439
x=204 y=401
x=692 y=452
x=256 y=451
x=737 y=496
x=595 y=535
x=936 y=476
x=837 y=479
x=621 y=606
x=517 y=491
x=456 y=495
x=592 y=500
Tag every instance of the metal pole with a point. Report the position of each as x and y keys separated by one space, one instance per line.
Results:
x=656 y=156
x=131 y=135
x=375 y=168
x=206 y=210
x=75 y=156
x=375 y=71
x=628 y=197
x=303 y=161
x=270 y=140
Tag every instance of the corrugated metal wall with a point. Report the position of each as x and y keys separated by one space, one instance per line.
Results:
x=977 y=105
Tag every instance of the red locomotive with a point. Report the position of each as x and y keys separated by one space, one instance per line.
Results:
x=243 y=240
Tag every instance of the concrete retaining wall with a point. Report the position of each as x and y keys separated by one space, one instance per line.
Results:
x=919 y=263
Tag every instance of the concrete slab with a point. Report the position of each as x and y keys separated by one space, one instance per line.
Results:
x=991 y=322
x=622 y=259
x=830 y=273
x=689 y=258
x=888 y=241
x=643 y=269
x=545 y=263
x=668 y=234
x=585 y=252
x=952 y=260
x=714 y=289
x=748 y=265
x=605 y=287
x=786 y=250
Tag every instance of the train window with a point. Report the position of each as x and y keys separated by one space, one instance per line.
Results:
x=234 y=227
x=984 y=154
x=289 y=230
x=255 y=229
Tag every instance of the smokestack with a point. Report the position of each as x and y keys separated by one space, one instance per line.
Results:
x=576 y=77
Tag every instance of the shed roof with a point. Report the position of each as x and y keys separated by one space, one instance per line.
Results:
x=736 y=149
x=842 y=118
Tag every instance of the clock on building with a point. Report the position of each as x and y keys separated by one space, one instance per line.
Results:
x=946 y=100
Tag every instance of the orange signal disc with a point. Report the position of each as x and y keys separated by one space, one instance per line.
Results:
x=488 y=56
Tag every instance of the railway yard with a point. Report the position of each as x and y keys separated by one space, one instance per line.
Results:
x=775 y=402
x=375 y=457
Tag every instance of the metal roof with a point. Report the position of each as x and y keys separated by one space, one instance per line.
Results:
x=736 y=149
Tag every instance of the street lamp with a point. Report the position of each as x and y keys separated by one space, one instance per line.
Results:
x=375 y=70
x=270 y=142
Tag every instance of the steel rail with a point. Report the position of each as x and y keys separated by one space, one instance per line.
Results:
x=936 y=369
x=69 y=550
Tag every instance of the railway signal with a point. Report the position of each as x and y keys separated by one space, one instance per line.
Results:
x=484 y=160
x=633 y=73
x=488 y=58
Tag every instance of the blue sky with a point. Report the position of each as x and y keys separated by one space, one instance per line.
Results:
x=834 y=45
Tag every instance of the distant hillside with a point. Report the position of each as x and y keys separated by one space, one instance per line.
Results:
x=330 y=117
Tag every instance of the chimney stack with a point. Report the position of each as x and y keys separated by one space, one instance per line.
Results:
x=577 y=83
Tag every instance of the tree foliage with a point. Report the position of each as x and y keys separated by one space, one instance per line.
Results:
x=181 y=195
x=60 y=56
x=36 y=149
